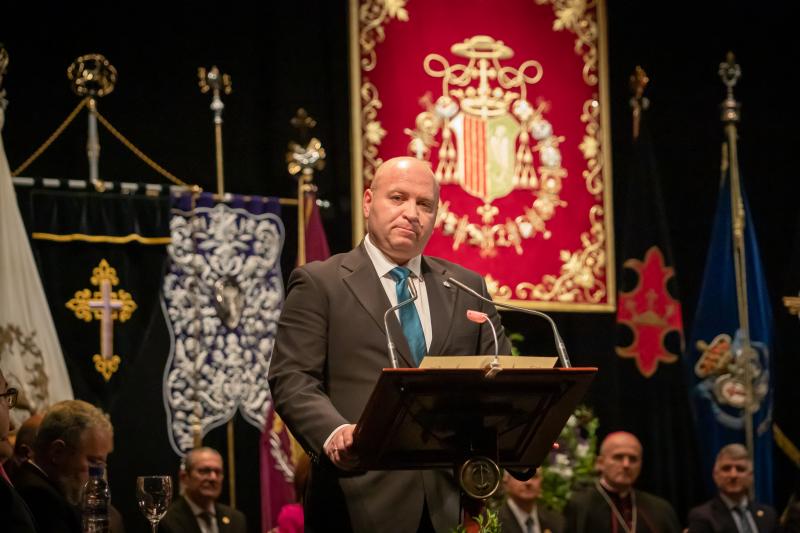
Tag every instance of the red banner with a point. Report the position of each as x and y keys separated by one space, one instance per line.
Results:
x=507 y=100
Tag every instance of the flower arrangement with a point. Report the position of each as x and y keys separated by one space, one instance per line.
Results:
x=570 y=464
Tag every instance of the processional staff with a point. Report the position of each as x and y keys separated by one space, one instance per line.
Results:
x=730 y=73
x=216 y=82
x=93 y=77
x=302 y=161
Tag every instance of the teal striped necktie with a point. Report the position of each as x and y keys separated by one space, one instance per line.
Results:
x=409 y=318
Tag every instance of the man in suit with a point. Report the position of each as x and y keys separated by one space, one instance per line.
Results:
x=521 y=513
x=731 y=510
x=14 y=513
x=197 y=509
x=72 y=435
x=612 y=503
x=331 y=347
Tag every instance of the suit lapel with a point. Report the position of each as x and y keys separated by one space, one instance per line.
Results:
x=358 y=273
x=441 y=301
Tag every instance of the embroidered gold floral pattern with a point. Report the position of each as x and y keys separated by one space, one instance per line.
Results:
x=590 y=147
x=578 y=17
x=371 y=15
x=582 y=272
x=373 y=133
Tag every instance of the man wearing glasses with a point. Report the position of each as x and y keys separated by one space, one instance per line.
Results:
x=197 y=509
x=13 y=511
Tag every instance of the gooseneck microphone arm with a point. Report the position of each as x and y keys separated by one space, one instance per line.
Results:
x=389 y=341
x=560 y=348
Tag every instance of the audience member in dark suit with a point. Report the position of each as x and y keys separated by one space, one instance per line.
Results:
x=23 y=445
x=612 y=504
x=731 y=511
x=197 y=509
x=331 y=347
x=14 y=514
x=72 y=435
x=521 y=512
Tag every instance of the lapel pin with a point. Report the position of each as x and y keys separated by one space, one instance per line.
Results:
x=759 y=513
x=226 y=520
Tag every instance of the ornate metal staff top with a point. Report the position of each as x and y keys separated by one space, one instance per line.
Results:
x=639 y=102
x=93 y=76
x=217 y=82
x=730 y=73
x=302 y=161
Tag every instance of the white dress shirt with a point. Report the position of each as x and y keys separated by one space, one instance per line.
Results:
x=522 y=517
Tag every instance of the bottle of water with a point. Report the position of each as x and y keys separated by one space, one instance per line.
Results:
x=96 y=499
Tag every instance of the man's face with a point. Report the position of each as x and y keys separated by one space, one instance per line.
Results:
x=6 y=449
x=524 y=493
x=620 y=461
x=400 y=208
x=203 y=483
x=72 y=465
x=733 y=477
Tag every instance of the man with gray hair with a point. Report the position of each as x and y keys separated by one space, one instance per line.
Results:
x=731 y=510
x=73 y=435
x=197 y=509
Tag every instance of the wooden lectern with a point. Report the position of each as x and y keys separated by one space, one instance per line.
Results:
x=467 y=419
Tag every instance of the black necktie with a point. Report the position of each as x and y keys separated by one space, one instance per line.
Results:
x=529 y=525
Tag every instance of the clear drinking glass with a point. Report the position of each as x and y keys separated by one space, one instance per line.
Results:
x=154 y=494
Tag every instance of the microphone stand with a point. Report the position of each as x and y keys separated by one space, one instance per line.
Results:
x=389 y=342
x=560 y=348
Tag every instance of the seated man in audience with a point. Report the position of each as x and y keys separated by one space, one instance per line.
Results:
x=14 y=514
x=731 y=511
x=612 y=504
x=197 y=509
x=73 y=434
x=521 y=513
x=23 y=445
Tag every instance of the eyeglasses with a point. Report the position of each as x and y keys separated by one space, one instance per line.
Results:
x=10 y=397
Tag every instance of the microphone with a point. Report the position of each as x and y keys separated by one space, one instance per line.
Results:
x=480 y=318
x=562 y=350
x=389 y=341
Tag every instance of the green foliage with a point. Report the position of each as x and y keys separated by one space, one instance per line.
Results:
x=571 y=464
x=514 y=339
x=488 y=522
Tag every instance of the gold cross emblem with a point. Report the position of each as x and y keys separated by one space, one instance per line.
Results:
x=106 y=306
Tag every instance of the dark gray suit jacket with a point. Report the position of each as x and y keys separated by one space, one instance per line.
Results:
x=714 y=517
x=329 y=352
x=549 y=520
x=588 y=512
x=180 y=519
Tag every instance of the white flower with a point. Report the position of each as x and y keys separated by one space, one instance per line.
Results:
x=572 y=421
x=582 y=449
x=562 y=459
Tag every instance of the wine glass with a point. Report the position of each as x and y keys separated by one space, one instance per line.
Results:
x=154 y=494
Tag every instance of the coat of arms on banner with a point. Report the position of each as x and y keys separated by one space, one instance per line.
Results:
x=727 y=371
x=490 y=140
x=222 y=294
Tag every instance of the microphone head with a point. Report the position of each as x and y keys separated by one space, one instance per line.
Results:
x=477 y=316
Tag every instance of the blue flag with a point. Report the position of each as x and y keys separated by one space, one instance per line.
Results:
x=715 y=361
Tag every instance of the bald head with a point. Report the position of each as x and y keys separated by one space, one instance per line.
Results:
x=400 y=208
x=398 y=166
x=620 y=461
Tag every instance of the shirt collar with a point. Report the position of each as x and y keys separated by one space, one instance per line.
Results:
x=521 y=515
x=196 y=509
x=383 y=265
x=730 y=504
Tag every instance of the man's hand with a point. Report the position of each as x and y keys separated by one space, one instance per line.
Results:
x=340 y=449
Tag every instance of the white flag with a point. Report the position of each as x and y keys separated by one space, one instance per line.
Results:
x=30 y=354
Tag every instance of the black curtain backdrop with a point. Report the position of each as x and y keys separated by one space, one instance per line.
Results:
x=283 y=55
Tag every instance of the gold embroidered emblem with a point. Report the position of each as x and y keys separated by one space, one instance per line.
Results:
x=493 y=141
x=106 y=306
